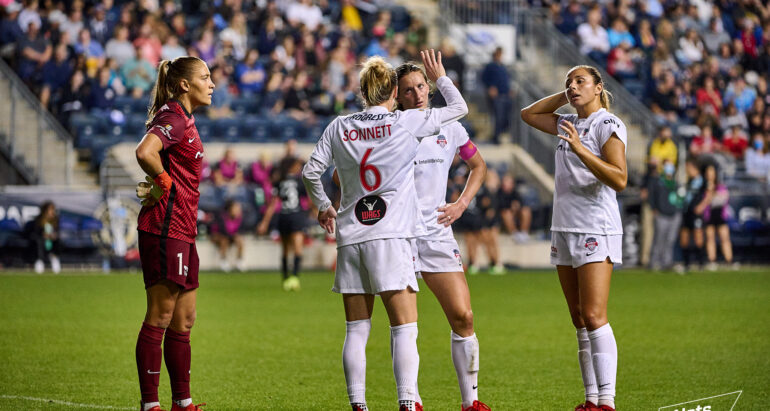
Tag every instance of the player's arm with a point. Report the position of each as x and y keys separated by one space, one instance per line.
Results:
x=269 y=211
x=158 y=181
x=478 y=171
x=319 y=161
x=428 y=122
x=611 y=171
x=542 y=113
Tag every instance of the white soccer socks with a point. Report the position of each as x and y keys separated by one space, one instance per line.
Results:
x=587 y=366
x=604 y=352
x=465 y=356
x=406 y=360
x=354 y=359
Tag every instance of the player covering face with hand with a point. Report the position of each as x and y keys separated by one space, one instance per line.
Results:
x=373 y=152
x=437 y=254
x=171 y=153
x=586 y=229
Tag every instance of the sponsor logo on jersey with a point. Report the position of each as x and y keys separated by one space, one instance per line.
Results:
x=611 y=121
x=199 y=154
x=441 y=140
x=370 y=210
x=591 y=244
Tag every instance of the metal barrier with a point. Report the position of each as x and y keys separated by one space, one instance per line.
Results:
x=34 y=140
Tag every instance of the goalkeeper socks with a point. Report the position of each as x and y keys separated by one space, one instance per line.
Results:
x=465 y=356
x=148 y=361
x=604 y=352
x=354 y=359
x=176 y=350
x=297 y=264
x=586 y=365
x=406 y=360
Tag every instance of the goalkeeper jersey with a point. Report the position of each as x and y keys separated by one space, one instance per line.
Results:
x=176 y=213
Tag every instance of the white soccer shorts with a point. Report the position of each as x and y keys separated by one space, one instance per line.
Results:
x=436 y=256
x=577 y=249
x=375 y=266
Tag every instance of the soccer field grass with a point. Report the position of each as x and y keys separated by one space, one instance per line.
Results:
x=71 y=338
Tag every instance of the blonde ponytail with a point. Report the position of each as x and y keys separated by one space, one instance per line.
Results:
x=605 y=99
x=378 y=79
x=167 y=84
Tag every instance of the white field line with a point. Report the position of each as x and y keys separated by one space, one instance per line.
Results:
x=708 y=398
x=67 y=403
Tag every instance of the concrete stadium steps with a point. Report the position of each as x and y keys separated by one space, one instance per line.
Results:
x=322 y=255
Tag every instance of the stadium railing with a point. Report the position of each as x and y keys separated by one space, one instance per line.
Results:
x=37 y=144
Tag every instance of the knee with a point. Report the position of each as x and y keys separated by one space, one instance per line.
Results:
x=593 y=318
x=576 y=316
x=159 y=319
x=185 y=322
x=462 y=323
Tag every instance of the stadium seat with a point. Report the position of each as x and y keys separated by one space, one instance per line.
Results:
x=246 y=105
x=205 y=127
x=284 y=129
x=227 y=129
x=255 y=128
x=85 y=126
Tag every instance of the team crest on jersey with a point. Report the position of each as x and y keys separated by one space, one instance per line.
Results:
x=591 y=243
x=441 y=140
x=370 y=210
x=457 y=256
x=164 y=130
x=554 y=252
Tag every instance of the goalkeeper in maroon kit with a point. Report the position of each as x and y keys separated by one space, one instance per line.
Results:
x=171 y=153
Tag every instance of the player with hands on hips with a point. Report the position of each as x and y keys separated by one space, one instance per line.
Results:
x=437 y=255
x=373 y=152
x=586 y=230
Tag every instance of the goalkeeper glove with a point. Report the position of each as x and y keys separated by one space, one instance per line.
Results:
x=152 y=190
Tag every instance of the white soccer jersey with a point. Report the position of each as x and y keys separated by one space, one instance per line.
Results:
x=374 y=154
x=582 y=203
x=431 y=170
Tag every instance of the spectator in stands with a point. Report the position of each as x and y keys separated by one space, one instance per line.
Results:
x=758 y=158
x=34 y=51
x=594 y=41
x=691 y=47
x=222 y=96
x=715 y=216
x=297 y=99
x=119 y=48
x=44 y=237
x=708 y=97
x=228 y=171
x=251 y=74
x=225 y=233
x=73 y=24
x=148 y=44
x=272 y=102
x=453 y=63
x=89 y=48
x=733 y=117
x=663 y=102
x=705 y=143
x=666 y=206
x=735 y=142
x=738 y=93
x=137 y=74
x=29 y=14
x=754 y=116
x=644 y=37
x=663 y=148
x=619 y=34
x=206 y=46
x=10 y=31
x=725 y=58
x=102 y=95
x=570 y=18
x=171 y=48
x=56 y=73
x=686 y=105
x=99 y=26
x=75 y=97
x=620 y=63
x=304 y=12
x=498 y=86
x=237 y=34
x=714 y=36
x=267 y=38
x=514 y=213
x=646 y=215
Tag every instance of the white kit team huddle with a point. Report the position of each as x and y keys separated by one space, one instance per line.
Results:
x=393 y=167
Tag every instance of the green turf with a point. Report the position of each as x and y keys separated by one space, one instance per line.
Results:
x=71 y=337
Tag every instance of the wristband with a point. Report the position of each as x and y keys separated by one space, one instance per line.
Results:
x=163 y=180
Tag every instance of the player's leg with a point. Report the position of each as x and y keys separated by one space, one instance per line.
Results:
x=472 y=243
x=594 y=283
x=725 y=243
x=711 y=244
x=297 y=239
x=568 y=279
x=493 y=249
x=699 y=241
x=401 y=306
x=358 y=314
x=238 y=243
x=451 y=290
x=161 y=300
x=285 y=244
x=684 y=244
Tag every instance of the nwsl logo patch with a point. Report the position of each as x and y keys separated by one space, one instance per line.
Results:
x=441 y=140
x=457 y=256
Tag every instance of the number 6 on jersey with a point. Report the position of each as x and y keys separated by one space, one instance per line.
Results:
x=369 y=167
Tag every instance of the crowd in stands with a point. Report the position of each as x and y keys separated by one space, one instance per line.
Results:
x=289 y=59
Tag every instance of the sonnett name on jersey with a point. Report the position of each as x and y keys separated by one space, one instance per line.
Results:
x=370 y=133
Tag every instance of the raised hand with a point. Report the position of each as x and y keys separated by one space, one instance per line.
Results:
x=433 y=66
